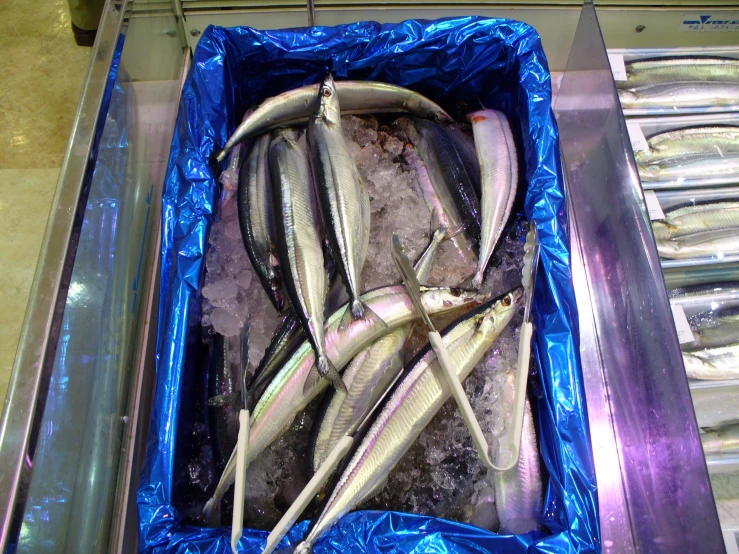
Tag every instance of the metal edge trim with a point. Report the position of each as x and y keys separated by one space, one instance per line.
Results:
x=42 y=312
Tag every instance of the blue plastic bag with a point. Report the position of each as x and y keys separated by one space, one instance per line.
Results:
x=458 y=63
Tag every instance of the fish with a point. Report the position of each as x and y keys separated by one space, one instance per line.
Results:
x=714 y=364
x=300 y=243
x=223 y=399
x=439 y=202
x=679 y=69
x=702 y=289
x=298 y=383
x=721 y=441
x=296 y=106
x=447 y=171
x=680 y=95
x=690 y=152
x=367 y=377
x=714 y=328
x=707 y=243
x=518 y=491
x=257 y=220
x=409 y=407
x=496 y=152
x=692 y=219
x=284 y=342
x=343 y=195
x=465 y=147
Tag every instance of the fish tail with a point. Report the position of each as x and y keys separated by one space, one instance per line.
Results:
x=477 y=279
x=303 y=548
x=210 y=508
x=358 y=309
x=327 y=369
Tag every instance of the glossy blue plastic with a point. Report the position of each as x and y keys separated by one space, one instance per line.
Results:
x=458 y=63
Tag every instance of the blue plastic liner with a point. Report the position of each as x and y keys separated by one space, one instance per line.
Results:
x=458 y=63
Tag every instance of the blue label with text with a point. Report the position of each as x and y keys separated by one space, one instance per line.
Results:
x=710 y=22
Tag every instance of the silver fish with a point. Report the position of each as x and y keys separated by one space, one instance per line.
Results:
x=408 y=408
x=708 y=243
x=720 y=441
x=699 y=217
x=343 y=195
x=447 y=170
x=298 y=383
x=683 y=69
x=257 y=220
x=356 y=97
x=518 y=491
x=439 y=201
x=300 y=243
x=713 y=364
x=496 y=152
x=367 y=377
x=701 y=289
x=714 y=328
x=679 y=95
x=705 y=151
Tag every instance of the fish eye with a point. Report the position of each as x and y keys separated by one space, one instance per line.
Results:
x=507 y=300
x=326 y=92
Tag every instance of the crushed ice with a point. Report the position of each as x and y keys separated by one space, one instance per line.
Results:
x=441 y=474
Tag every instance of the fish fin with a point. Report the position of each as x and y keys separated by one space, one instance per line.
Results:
x=327 y=370
x=371 y=317
x=312 y=379
x=478 y=279
x=211 y=509
x=303 y=548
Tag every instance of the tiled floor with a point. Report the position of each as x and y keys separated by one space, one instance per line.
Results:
x=41 y=71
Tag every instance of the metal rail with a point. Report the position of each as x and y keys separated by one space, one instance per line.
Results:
x=26 y=394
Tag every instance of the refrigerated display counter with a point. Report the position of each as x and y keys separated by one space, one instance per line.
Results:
x=73 y=433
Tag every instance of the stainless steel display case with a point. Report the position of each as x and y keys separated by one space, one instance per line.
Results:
x=82 y=382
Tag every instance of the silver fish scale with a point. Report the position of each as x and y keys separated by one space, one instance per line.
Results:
x=690 y=141
x=674 y=70
x=706 y=243
x=680 y=95
x=260 y=198
x=695 y=219
x=345 y=198
x=713 y=363
x=301 y=227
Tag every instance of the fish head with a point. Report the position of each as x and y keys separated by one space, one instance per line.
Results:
x=328 y=101
x=438 y=300
x=500 y=311
x=627 y=97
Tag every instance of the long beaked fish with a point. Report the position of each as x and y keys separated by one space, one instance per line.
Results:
x=294 y=107
x=223 y=405
x=679 y=69
x=297 y=383
x=409 y=407
x=703 y=151
x=518 y=491
x=695 y=219
x=447 y=170
x=367 y=377
x=722 y=440
x=284 y=342
x=680 y=95
x=439 y=201
x=301 y=244
x=713 y=364
x=707 y=243
x=702 y=289
x=343 y=195
x=496 y=152
x=257 y=220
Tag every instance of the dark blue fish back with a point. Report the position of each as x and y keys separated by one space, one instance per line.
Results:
x=460 y=63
